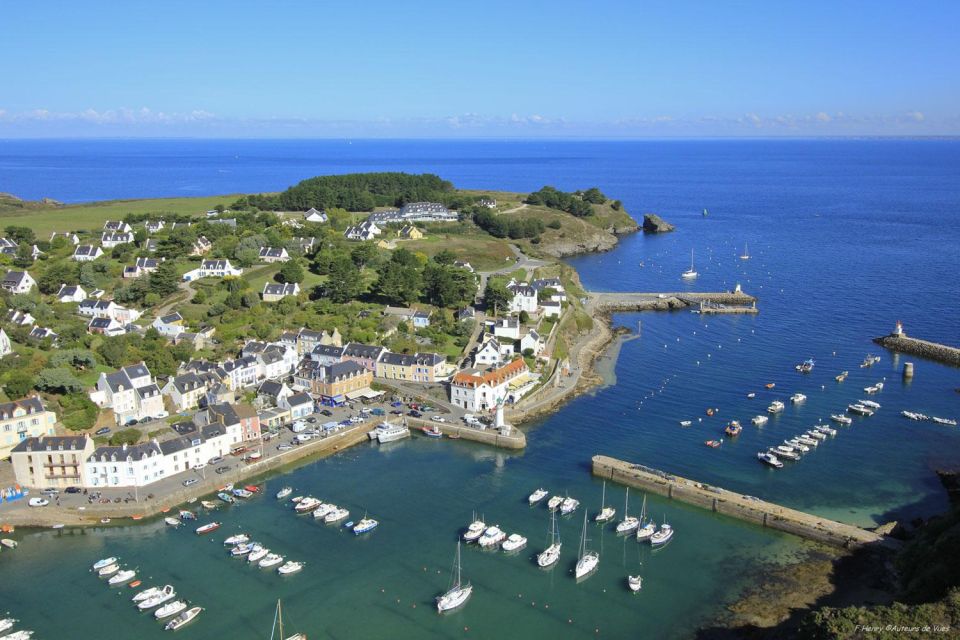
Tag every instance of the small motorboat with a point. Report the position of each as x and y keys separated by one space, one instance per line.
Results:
x=163 y=595
x=252 y=488
x=822 y=428
x=492 y=537
x=770 y=459
x=770 y=385
x=296 y=499
x=569 y=505
x=860 y=409
x=949 y=422
x=759 y=421
x=365 y=525
x=713 y=444
x=336 y=515
x=911 y=414
x=283 y=493
x=242 y=493
x=733 y=429
x=841 y=419
x=108 y=570
x=663 y=535
x=783 y=451
x=207 y=528
x=187 y=515
x=870 y=403
x=635 y=583
x=19 y=635
x=537 y=496
x=270 y=560
x=183 y=619
x=686 y=423
x=173 y=522
x=146 y=594
x=554 y=502
x=323 y=510
x=120 y=578
x=100 y=564
x=514 y=542
x=842 y=376
x=208 y=504
x=134 y=584
x=474 y=531
x=816 y=435
x=348 y=524
x=7 y=623
x=238 y=538
x=775 y=407
x=432 y=431
x=289 y=567
x=307 y=505
x=243 y=549
x=170 y=609
x=751 y=395
x=796 y=445
x=9 y=544
x=226 y=497
x=807 y=440
x=710 y=411
x=797 y=398
x=806 y=366
x=257 y=554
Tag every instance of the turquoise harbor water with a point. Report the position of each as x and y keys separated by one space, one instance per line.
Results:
x=846 y=238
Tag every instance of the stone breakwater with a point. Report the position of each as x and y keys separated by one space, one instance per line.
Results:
x=615 y=301
x=921 y=348
x=735 y=505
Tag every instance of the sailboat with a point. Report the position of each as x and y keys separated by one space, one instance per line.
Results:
x=629 y=523
x=552 y=553
x=647 y=530
x=458 y=593
x=704 y=213
x=746 y=254
x=588 y=559
x=606 y=513
x=278 y=627
x=690 y=273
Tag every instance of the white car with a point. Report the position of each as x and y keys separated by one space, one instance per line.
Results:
x=38 y=502
x=437 y=419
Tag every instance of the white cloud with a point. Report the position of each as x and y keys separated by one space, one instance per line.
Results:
x=823 y=117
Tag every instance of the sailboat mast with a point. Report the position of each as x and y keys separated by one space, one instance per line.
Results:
x=458 y=564
x=280 y=618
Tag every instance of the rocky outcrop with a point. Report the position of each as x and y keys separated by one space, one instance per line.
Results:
x=597 y=241
x=652 y=223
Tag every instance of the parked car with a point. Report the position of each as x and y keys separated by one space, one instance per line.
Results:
x=326 y=412
x=38 y=502
x=396 y=404
x=378 y=412
x=222 y=469
x=190 y=482
x=161 y=414
x=73 y=489
x=414 y=413
x=50 y=492
x=197 y=467
x=438 y=419
x=311 y=419
x=284 y=446
x=102 y=432
x=215 y=460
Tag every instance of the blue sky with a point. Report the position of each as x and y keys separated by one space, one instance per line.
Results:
x=480 y=69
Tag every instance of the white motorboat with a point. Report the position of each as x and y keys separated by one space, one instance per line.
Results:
x=797 y=398
x=387 y=432
x=108 y=570
x=100 y=564
x=492 y=537
x=606 y=513
x=859 y=409
x=271 y=560
x=913 y=415
x=949 y=422
x=841 y=419
x=458 y=593
x=629 y=523
x=243 y=549
x=157 y=599
x=170 y=609
x=307 y=505
x=879 y=386
x=589 y=560
x=569 y=505
x=7 y=623
x=635 y=583
x=775 y=407
x=751 y=395
x=810 y=442
x=365 y=525
x=760 y=420
x=796 y=444
x=183 y=619
x=870 y=403
x=336 y=515
x=554 y=502
x=816 y=435
x=257 y=554
x=514 y=542
x=239 y=538
x=784 y=452
x=283 y=493
x=551 y=554
x=663 y=535
x=537 y=496
x=145 y=594
x=323 y=510
x=289 y=567
x=686 y=423
x=770 y=459
x=19 y=635
x=690 y=273
x=122 y=578
x=173 y=522
x=822 y=428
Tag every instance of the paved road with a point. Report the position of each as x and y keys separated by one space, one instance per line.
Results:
x=523 y=261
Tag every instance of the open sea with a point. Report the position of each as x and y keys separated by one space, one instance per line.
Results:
x=846 y=238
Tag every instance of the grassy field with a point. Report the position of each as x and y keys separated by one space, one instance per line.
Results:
x=45 y=219
x=482 y=251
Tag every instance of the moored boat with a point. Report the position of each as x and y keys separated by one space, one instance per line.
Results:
x=770 y=459
x=663 y=535
x=859 y=409
x=841 y=419
x=822 y=428
x=783 y=451
x=629 y=523
x=635 y=583
x=207 y=528
x=208 y=504
x=537 y=496
x=554 y=502
x=238 y=538
x=686 y=423
x=183 y=619
x=775 y=407
x=713 y=444
x=514 y=542
x=589 y=560
x=284 y=492
x=569 y=505
x=797 y=398
x=458 y=593
x=173 y=522
x=796 y=444
x=307 y=505
x=100 y=564
x=365 y=525
x=145 y=594
x=806 y=366
x=870 y=403
x=842 y=376
x=474 y=530
x=336 y=515
x=7 y=623
x=323 y=510
x=226 y=497
x=733 y=429
x=289 y=567
x=807 y=440
x=432 y=431
x=161 y=596
x=242 y=493
x=257 y=553
x=122 y=577
x=944 y=421
x=606 y=513
x=549 y=556
x=170 y=609
x=760 y=420
x=492 y=537
x=270 y=560
x=108 y=570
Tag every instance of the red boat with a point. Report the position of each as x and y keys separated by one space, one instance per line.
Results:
x=432 y=432
x=207 y=528
x=713 y=443
x=252 y=488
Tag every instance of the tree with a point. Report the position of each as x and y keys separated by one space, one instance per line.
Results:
x=19 y=384
x=23 y=258
x=56 y=274
x=291 y=272
x=446 y=286
x=445 y=256
x=125 y=436
x=79 y=359
x=363 y=254
x=20 y=235
x=399 y=283
x=78 y=412
x=524 y=317
x=345 y=281
x=497 y=296
x=164 y=281
x=58 y=381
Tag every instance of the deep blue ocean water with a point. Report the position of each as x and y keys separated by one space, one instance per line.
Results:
x=846 y=237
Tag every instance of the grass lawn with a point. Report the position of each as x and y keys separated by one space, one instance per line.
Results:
x=482 y=251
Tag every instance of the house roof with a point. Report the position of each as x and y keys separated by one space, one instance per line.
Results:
x=411 y=359
x=125 y=452
x=187 y=382
x=29 y=405
x=52 y=443
x=493 y=377
x=328 y=350
x=171 y=318
x=299 y=399
x=288 y=289
x=15 y=278
x=359 y=350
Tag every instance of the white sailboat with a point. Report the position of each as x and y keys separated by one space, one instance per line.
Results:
x=690 y=273
x=276 y=631
x=606 y=513
x=458 y=593
x=746 y=254
x=588 y=559
x=647 y=530
x=552 y=553
x=629 y=523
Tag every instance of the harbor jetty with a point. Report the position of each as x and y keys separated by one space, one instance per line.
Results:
x=736 y=505
x=512 y=439
x=735 y=301
x=899 y=341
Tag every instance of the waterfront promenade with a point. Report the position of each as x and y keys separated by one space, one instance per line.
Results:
x=736 y=505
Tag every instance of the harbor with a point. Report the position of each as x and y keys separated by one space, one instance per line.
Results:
x=735 y=505
x=900 y=342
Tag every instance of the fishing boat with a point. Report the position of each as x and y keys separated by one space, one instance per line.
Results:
x=514 y=542
x=173 y=522
x=336 y=515
x=537 y=496
x=551 y=554
x=283 y=493
x=387 y=432
x=108 y=570
x=226 y=497
x=170 y=609
x=783 y=451
x=270 y=560
x=770 y=459
x=646 y=530
x=157 y=599
x=842 y=376
x=629 y=523
x=871 y=390
x=307 y=505
x=690 y=273
x=713 y=444
x=289 y=568
x=278 y=626
x=145 y=594
x=859 y=409
x=746 y=254
x=432 y=431
x=554 y=502
x=323 y=510
x=807 y=440
x=100 y=564
x=242 y=493
x=733 y=429
x=458 y=593
x=775 y=407
x=606 y=513
x=492 y=537
x=663 y=535
x=950 y=422
x=257 y=554
x=870 y=403
x=183 y=619
x=806 y=366
x=568 y=506
x=208 y=504
x=797 y=398
x=474 y=530
x=841 y=419
x=238 y=538
x=797 y=445
x=589 y=560
x=120 y=578
x=912 y=415
x=686 y=423
x=635 y=583
x=365 y=525
x=760 y=420
x=207 y=528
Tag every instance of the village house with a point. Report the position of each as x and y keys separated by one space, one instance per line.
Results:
x=270 y=391
x=20 y=318
x=227 y=222
x=467 y=313
x=151 y=245
x=141 y=267
x=365 y=355
x=131 y=392
x=9 y=248
x=106 y=327
x=51 y=462
x=524 y=297
x=419 y=319
x=241 y=372
x=326 y=354
x=417 y=367
x=336 y=381
x=6 y=347
x=274 y=418
x=21 y=419
x=154 y=226
x=364 y=231
x=305 y=244
x=551 y=308
x=507 y=328
x=200 y=339
x=463 y=264
x=233 y=414
x=489 y=203
x=300 y=405
x=71 y=293
x=306 y=339
x=312 y=215
x=492 y=353
x=213 y=269
x=116 y=226
x=556 y=291
x=185 y=391
x=476 y=390
x=170 y=325
x=86 y=253
x=110 y=240
x=201 y=246
x=415 y=212
x=108 y=309
x=272 y=292
x=43 y=333
x=72 y=238
x=18 y=282
x=273 y=254
x=533 y=342
x=410 y=232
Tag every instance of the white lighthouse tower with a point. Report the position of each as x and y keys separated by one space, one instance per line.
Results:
x=898 y=330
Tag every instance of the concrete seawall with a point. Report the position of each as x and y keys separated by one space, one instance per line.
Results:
x=613 y=301
x=735 y=505
x=516 y=439
x=922 y=348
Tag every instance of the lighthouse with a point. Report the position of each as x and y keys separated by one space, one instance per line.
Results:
x=898 y=330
